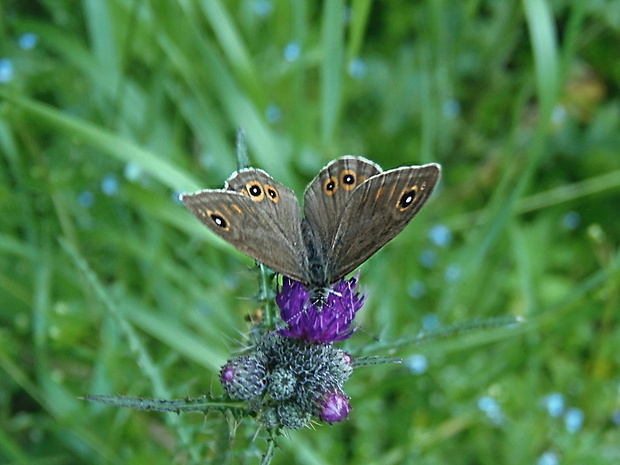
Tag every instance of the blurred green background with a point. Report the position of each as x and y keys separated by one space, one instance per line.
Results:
x=110 y=109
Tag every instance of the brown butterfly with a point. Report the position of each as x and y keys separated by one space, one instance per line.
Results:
x=351 y=210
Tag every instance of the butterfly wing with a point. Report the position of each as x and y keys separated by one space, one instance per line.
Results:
x=324 y=204
x=258 y=216
x=328 y=193
x=376 y=212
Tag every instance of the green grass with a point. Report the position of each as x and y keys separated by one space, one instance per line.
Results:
x=109 y=286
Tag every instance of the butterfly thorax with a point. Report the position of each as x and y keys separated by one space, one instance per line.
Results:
x=317 y=272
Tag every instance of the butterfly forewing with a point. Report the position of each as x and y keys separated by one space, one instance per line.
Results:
x=328 y=193
x=258 y=216
x=377 y=211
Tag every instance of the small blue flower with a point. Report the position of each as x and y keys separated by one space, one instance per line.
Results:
x=452 y=273
x=554 y=403
x=571 y=220
x=428 y=258
x=262 y=8
x=573 y=419
x=451 y=108
x=417 y=363
x=292 y=51
x=133 y=171
x=417 y=289
x=28 y=40
x=357 y=68
x=321 y=322
x=492 y=408
x=548 y=458
x=6 y=70
x=86 y=199
x=109 y=185
x=430 y=322
x=440 y=235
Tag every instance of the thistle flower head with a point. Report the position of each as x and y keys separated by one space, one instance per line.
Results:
x=288 y=381
x=293 y=415
x=323 y=321
x=335 y=407
x=282 y=383
x=295 y=374
x=244 y=377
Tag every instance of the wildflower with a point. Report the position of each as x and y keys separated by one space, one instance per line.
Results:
x=293 y=416
x=325 y=321
x=244 y=377
x=574 y=419
x=292 y=51
x=335 y=407
x=289 y=381
x=316 y=368
x=28 y=40
x=282 y=383
x=6 y=70
x=268 y=417
x=440 y=235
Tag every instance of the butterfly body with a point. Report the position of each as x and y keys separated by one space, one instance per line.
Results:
x=351 y=210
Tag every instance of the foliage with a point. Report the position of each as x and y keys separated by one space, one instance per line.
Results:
x=110 y=109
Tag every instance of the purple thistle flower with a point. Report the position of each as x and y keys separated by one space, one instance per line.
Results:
x=334 y=407
x=322 y=322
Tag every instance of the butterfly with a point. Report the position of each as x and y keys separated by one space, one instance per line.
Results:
x=351 y=210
